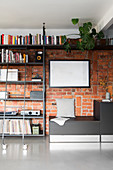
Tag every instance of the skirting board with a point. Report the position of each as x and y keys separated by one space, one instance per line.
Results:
x=107 y=138
x=74 y=138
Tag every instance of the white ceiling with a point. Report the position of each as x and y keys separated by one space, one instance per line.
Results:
x=57 y=14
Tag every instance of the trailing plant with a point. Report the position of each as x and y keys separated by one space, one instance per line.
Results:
x=87 y=35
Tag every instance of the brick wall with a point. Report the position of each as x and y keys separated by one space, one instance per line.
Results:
x=101 y=65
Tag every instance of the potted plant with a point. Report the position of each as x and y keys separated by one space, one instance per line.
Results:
x=87 y=35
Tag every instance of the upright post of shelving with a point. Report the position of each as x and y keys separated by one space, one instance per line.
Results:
x=43 y=33
x=44 y=92
x=23 y=135
x=44 y=81
x=3 y=134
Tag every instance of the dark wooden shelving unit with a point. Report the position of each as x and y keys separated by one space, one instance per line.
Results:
x=49 y=46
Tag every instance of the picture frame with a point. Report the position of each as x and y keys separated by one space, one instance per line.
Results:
x=69 y=73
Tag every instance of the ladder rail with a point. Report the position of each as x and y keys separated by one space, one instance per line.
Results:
x=3 y=133
x=23 y=134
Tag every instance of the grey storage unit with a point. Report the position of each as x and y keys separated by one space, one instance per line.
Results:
x=104 y=112
x=76 y=126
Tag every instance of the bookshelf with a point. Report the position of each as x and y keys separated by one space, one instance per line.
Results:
x=26 y=82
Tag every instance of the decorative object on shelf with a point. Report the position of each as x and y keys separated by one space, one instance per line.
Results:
x=107 y=95
x=36 y=78
x=87 y=36
x=10 y=113
x=12 y=74
x=30 y=112
x=4 y=95
x=39 y=56
x=36 y=95
x=103 y=83
x=35 y=129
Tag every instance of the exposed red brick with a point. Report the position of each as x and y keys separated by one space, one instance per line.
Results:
x=78 y=101
x=78 y=111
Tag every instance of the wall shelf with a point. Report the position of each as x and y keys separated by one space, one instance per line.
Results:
x=21 y=64
x=10 y=135
x=21 y=82
x=21 y=117
x=73 y=47
x=26 y=99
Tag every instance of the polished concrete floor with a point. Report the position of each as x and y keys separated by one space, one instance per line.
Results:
x=41 y=155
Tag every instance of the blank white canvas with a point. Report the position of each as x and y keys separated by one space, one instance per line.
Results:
x=69 y=73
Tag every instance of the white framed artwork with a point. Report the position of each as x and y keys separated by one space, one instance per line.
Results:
x=68 y=73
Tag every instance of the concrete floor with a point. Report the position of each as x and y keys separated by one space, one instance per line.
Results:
x=55 y=156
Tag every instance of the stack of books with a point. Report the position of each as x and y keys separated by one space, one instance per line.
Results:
x=15 y=127
x=8 y=56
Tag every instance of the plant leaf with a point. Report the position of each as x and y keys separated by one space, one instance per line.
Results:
x=93 y=31
x=100 y=35
x=67 y=47
x=81 y=29
x=64 y=38
x=75 y=21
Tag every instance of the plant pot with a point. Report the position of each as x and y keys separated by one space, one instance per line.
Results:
x=73 y=41
x=101 y=42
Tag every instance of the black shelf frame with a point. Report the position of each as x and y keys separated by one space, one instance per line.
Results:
x=22 y=64
x=21 y=82
x=22 y=99
x=14 y=135
x=49 y=46
x=21 y=117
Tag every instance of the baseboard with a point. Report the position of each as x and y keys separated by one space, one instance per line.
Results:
x=106 y=138
x=74 y=138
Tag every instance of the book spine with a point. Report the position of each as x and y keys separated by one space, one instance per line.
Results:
x=7 y=56
x=2 y=55
x=2 y=38
x=26 y=58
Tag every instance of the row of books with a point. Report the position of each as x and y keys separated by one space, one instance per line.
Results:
x=54 y=40
x=8 y=56
x=37 y=39
x=15 y=127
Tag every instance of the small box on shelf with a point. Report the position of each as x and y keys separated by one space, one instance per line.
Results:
x=35 y=129
x=36 y=95
x=12 y=74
